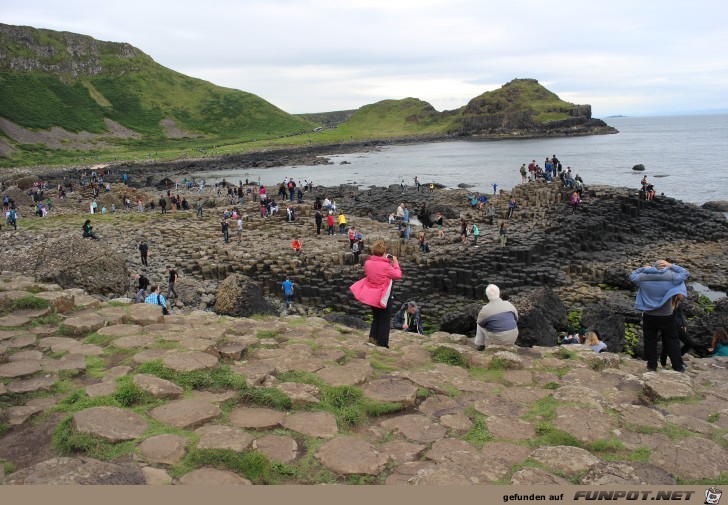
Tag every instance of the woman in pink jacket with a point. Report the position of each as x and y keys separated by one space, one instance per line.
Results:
x=376 y=290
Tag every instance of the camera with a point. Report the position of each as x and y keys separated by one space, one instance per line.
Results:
x=389 y=256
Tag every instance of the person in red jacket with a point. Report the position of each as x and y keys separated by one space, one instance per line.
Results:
x=330 y=223
x=296 y=246
x=375 y=290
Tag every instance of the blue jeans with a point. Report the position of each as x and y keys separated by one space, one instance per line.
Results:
x=287 y=297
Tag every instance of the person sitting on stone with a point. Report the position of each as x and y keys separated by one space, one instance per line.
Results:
x=569 y=340
x=156 y=298
x=719 y=345
x=497 y=321
x=408 y=318
x=596 y=345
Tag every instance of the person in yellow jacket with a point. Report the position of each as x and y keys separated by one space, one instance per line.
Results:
x=342 y=223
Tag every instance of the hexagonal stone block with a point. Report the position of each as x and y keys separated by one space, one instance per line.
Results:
x=661 y=388
x=300 y=394
x=120 y=330
x=233 y=351
x=21 y=341
x=60 y=301
x=256 y=418
x=415 y=427
x=313 y=424
x=101 y=389
x=13 y=320
x=510 y=428
x=185 y=413
x=583 y=424
x=537 y=476
x=166 y=449
x=151 y=355
x=145 y=313
x=80 y=325
x=638 y=415
x=565 y=459
x=353 y=373
x=351 y=456
x=19 y=368
x=189 y=361
x=156 y=476
x=212 y=477
x=158 y=388
x=277 y=448
x=134 y=341
x=391 y=390
x=224 y=437
x=32 y=385
x=67 y=362
x=26 y=356
x=110 y=423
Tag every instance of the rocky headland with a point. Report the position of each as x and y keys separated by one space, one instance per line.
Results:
x=309 y=394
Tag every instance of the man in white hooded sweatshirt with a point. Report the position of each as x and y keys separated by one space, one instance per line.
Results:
x=497 y=321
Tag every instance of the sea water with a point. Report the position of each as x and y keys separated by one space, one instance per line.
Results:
x=685 y=157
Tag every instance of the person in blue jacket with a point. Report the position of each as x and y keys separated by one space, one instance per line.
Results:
x=658 y=284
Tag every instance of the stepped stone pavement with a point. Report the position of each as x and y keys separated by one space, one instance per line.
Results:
x=313 y=424
x=158 y=388
x=189 y=361
x=185 y=413
x=300 y=394
x=165 y=449
x=565 y=459
x=422 y=443
x=224 y=437
x=212 y=477
x=350 y=456
x=256 y=418
x=537 y=476
x=110 y=423
x=278 y=448
x=391 y=390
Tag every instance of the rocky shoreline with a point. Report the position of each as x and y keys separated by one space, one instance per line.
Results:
x=582 y=260
x=97 y=390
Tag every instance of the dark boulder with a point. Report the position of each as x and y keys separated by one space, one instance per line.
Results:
x=346 y=320
x=462 y=322
x=607 y=323
x=701 y=330
x=639 y=167
x=716 y=206
x=78 y=470
x=165 y=184
x=618 y=277
x=241 y=296
x=541 y=316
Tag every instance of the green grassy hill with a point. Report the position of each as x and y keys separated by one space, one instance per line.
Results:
x=59 y=79
x=67 y=98
x=517 y=104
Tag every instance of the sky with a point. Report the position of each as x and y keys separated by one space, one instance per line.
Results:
x=636 y=57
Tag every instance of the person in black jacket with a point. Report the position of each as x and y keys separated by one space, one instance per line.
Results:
x=143 y=285
x=408 y=318
x=682 y=333
x=143 y=251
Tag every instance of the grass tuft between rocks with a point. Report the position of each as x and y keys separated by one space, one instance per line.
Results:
x=219 y=378
x=448 y=356
x=66 y=441
x=254 y=466
x=25 y=303
x=478 y=434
